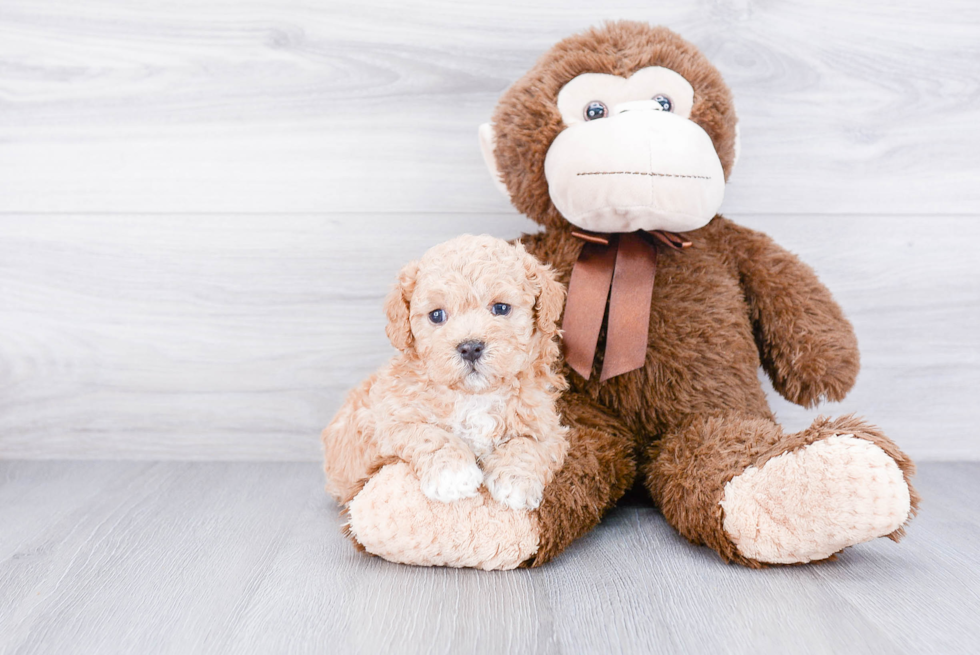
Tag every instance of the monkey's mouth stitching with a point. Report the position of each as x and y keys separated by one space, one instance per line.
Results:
x=693 y=177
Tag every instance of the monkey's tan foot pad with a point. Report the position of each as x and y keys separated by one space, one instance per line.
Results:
x=810 y=503
x=391 y=518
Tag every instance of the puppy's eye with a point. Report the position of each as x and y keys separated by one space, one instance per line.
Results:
x=500 y=309
x=594 y=110
x=438 y=316
x=664 y=102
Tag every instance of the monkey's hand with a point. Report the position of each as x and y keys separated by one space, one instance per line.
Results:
x=807 y=346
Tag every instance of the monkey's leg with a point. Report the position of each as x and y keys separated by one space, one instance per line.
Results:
x=758 y=496
x=599 y=468
x=390 y=516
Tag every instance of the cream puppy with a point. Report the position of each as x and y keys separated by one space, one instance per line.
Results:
x=470 y=397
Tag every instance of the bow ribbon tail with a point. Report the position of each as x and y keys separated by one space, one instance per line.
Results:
x=672 y=240
x=627 y=334
x=585 y=305
x=620 y=268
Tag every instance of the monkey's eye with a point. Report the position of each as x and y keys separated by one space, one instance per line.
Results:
x=438 y=316
x=500 y=309
x=664 y=102
x=594 y=110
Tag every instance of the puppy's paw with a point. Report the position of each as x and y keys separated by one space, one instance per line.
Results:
x=450 y=483
x=515 y=489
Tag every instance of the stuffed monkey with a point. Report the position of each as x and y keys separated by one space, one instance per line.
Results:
x=618 y=143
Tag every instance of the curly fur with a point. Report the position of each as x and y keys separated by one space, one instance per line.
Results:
x=434 y=410
x=695 y=416
x=707 y=452
x=731 y=303
x=527 y=119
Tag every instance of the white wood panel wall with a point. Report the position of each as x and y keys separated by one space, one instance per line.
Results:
x=203 y=202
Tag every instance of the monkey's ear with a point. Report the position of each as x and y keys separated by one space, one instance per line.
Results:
x=399 y=328
x=488 y=141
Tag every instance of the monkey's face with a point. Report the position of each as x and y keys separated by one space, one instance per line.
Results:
x=621 y=128
x=630 y=158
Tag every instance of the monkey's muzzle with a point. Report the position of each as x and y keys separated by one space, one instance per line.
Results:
x=638 y=169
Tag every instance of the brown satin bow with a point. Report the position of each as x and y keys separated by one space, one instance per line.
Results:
x=620 y=267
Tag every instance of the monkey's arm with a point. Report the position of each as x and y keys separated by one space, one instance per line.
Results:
x=807 y=346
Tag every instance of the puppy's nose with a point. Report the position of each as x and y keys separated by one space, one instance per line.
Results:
x=471 y=350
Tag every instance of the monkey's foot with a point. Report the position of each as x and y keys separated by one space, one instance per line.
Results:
x=810 y=503
x=391 y=518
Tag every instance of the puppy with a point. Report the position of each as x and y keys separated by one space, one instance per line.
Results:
x=470 y=397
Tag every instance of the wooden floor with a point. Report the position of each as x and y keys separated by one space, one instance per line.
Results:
x=148 y=557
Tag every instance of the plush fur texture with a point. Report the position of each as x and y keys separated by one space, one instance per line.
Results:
x=696 y=411
x=694 y=418
x=527 y=118
x=475 y=532
x=688 y=470
x=846 y=487
x=459 y=423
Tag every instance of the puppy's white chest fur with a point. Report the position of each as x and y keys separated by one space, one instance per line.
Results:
x=478 y=420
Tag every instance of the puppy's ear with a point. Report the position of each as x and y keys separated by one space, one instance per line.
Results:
x=399 y=328
x=550 y=295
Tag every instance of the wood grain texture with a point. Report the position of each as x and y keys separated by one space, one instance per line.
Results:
x=100 y=557
x=202 y=203
x=236 y=337
x=289 y=106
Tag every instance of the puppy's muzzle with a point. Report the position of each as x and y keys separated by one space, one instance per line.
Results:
x=471 y=350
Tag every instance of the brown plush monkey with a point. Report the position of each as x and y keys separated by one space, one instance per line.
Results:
x=615 y=141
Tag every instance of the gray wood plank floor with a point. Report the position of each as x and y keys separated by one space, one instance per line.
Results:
x=106 y=557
